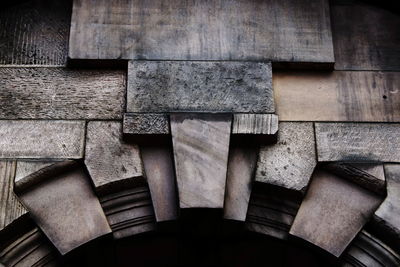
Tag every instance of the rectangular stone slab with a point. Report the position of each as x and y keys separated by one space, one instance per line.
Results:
x=368 y=96
x=333 y=212
x=110 y=160
x=277 y=30
x=201 y=146
x=60 y=93
x=263 y=124
x=41 y=139
x=363 y=142
x=168 y=86
x=145 y=123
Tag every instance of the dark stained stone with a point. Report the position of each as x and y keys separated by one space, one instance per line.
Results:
x=168 y=86
x=277 y=30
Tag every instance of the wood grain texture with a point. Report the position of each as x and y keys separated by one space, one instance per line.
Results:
x=358 y=142
x=199 y=86
x=290 y=162
x=255 y=124
x=202 y=30
x=10 y=207
x=60 y=93
x=365 y=37
x=41 y=139
x=333 y=212
x=337 y=96
x=35 y=32
x=110 y=160
x=62 y=203
x=201 y=146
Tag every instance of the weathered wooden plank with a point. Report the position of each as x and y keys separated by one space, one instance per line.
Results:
x=290 y=162
x=61 y=201
x=201 y=146
x=333 y=212
x=265 y=124
x=342 y=96
x=110 y=160
x=165 y=86
x=145 y=123
x=10 y=207
x=159 y=167
x=35 y=32
x=241 y=165
x=41 y=139
x=358 y=142
x=287 y=31
x=365 y=37
x=60 y=93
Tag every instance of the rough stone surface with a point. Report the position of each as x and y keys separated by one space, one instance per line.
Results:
x=388 y=213
x=146 y=123
x=297 y=31
x=60 y=93
x=35 y=32
x=374 y=142
x=368 y=96
x=241 y=165
x=290 y=162
x=201 y=146
x=159 y=167
x=41 y=139
x=255 y=124
x=61 y=201
x=333 y=212
x=198 y=86
x=109 y=159
x=10 y=207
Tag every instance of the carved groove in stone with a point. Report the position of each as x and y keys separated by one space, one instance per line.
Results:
x=60 y=200
x=129 y=211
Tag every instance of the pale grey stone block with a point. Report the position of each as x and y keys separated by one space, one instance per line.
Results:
x=291 y=161
x=333 y=212
x=359 y=142
x=60 y=200
x=198 y=86
x=145 y=123
x=41 y=139
x=201 y=146
x=109 y=159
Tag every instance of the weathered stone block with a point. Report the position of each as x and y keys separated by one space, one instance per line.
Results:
x=111 y=161
x=60 y=93
x=241 y=164
x=201 y=146
x=362 y=142
x=296 y=31
x=61 y=201
x=146 y=123
x=41 y=139
x=290 y=162
x=333 y=212
x=262 y=124
x=168 y=86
